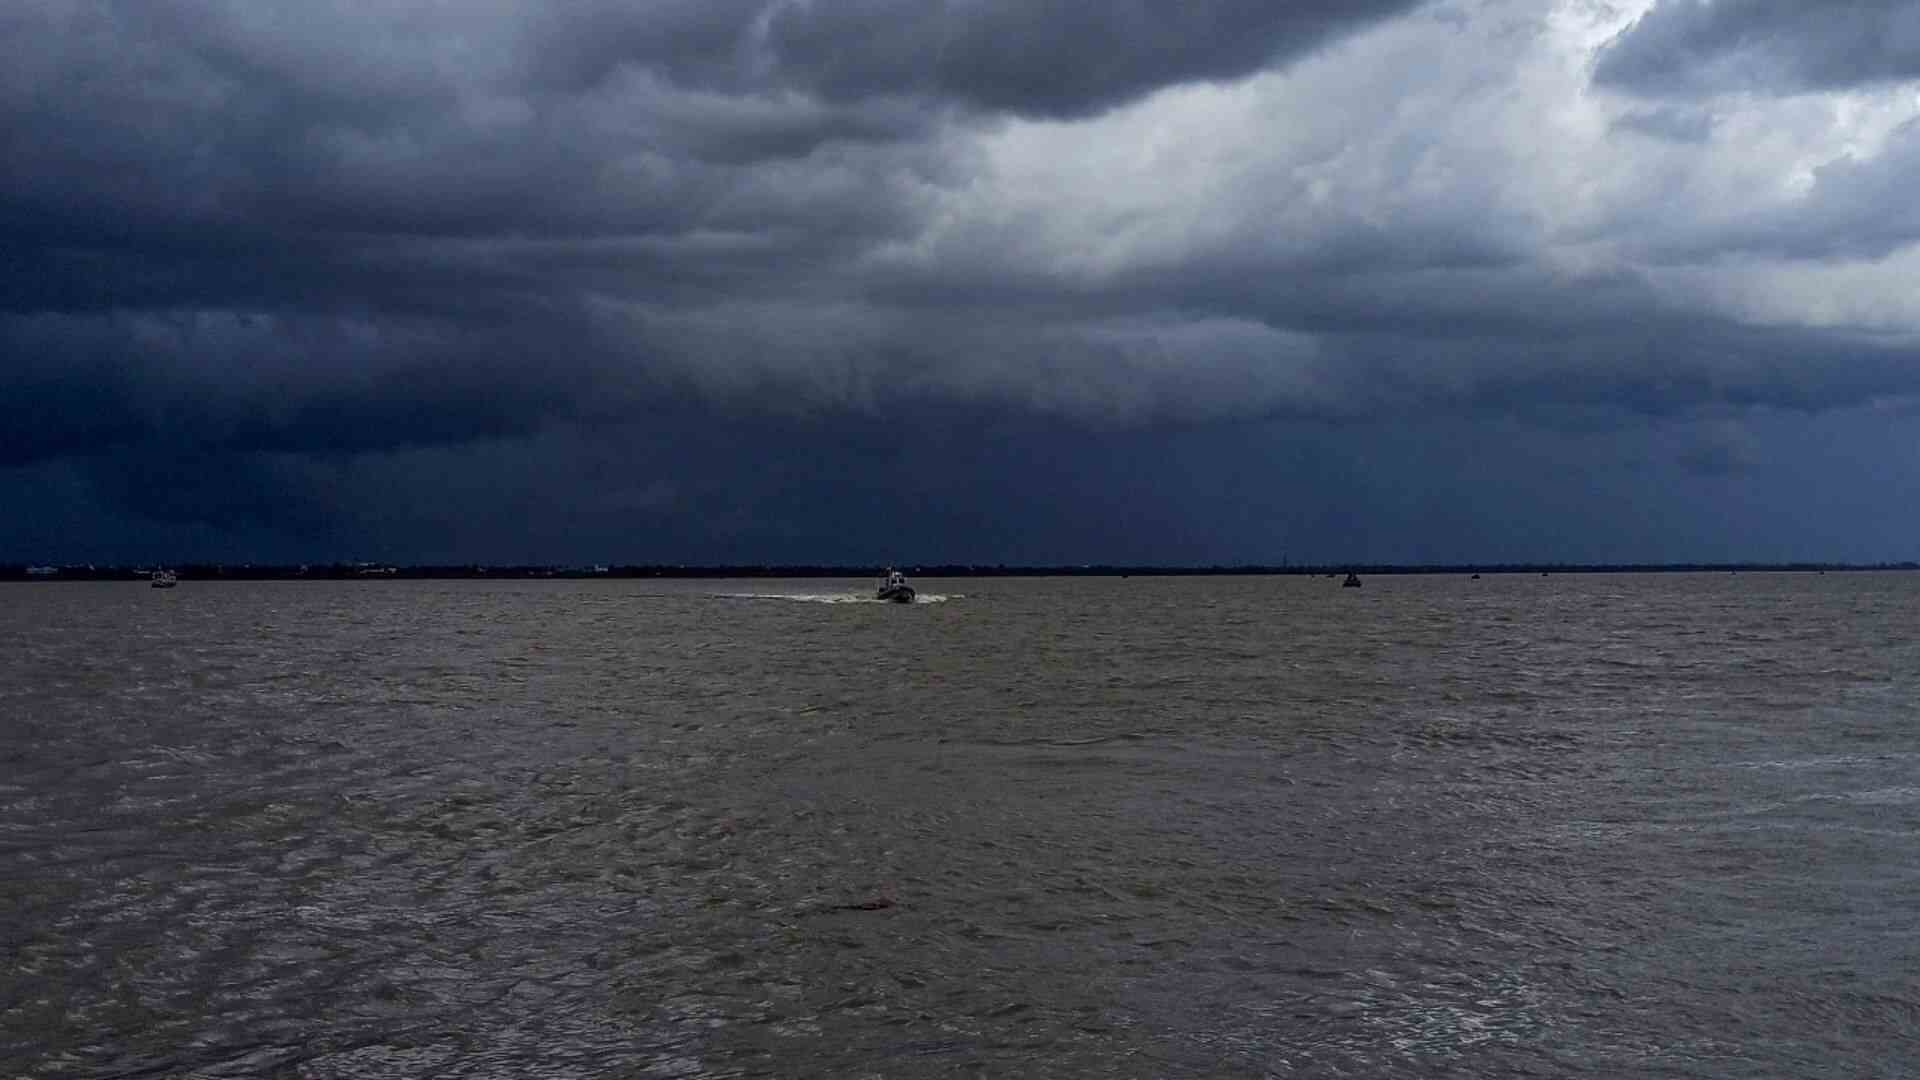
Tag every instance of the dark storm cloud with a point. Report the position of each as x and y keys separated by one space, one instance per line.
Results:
x=214 y=382
x=599 y=117
x=1768 y=46
x=700 y=43
x=1052 y=58
x=388 y=206
x=265 y=127
x=991 y=488
x=1007 y=55
x=720 y=278
x=225 y=232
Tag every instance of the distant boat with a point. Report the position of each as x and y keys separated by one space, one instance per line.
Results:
x=165 y=579
x=895 y=590
x=1352 y=582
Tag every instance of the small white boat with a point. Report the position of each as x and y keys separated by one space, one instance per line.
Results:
x=894 y=589
x=164 y=579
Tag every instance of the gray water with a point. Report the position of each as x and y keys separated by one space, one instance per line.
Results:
x=1575 y=825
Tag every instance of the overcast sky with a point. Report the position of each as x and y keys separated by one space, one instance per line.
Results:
x=856 y=281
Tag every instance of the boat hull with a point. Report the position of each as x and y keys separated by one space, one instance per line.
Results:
x=900 y=594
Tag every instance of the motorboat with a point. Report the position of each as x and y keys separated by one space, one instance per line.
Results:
x=894 y=589
x=1352 y=582
x=165 y=579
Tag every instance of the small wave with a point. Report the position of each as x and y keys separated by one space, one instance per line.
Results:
x=1822 y=762
x=1892 y=796
x=835 y=598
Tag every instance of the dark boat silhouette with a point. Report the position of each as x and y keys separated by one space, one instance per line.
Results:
x=895 y=590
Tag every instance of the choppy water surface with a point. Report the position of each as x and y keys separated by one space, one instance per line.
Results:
x=1148 y=827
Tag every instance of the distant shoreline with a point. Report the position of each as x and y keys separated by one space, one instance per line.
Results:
x=381 y=571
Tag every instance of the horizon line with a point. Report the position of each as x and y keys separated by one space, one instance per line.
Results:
x=362 y=569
